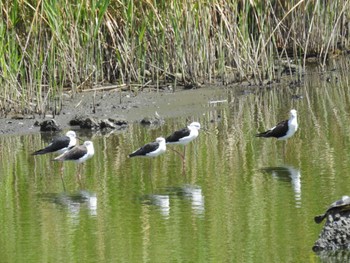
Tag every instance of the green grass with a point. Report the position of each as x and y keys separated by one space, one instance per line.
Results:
x=49 y=47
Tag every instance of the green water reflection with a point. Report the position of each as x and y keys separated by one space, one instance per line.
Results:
x=238 y=198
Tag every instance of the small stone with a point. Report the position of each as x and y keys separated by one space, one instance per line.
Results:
x=89 y=123
x=119 y=122
x=77 y=120
x=18 y=117
x=49 y=125
x=330 y=218
x=107 y=124
x=152 y=121
x=146 y=121
x=86 y=122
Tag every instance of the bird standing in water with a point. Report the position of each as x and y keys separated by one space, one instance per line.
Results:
x=184 y=136
x=284 y=129
x=59 y=144
x=152 y=149
x=78 y=154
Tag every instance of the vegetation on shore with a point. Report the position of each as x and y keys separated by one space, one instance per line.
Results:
x=51 y=46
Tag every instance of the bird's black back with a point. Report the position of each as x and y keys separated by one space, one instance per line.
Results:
x=176 y=136
x=56 y=144
x=150 y=147
x=278 y=131
x=74 y=154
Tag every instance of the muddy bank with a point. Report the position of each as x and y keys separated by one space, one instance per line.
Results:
x=121 y=105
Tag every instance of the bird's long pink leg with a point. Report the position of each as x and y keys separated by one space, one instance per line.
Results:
x=181 y=155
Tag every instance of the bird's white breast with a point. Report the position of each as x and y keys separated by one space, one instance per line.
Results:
x=292 y=128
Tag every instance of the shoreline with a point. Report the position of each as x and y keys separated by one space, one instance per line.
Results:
x=126 y=105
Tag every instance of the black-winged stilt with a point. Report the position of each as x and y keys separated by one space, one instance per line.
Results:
x=184 y=136
x=59 y=144
x=151 y=149
x=78 y=154
x=284 y=129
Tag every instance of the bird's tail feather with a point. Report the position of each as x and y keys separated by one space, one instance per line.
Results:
x=319 y=219
x=262 y=134
x=42 y=151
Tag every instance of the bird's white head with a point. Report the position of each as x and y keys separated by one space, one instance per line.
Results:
x=195 y=125
x=160 y=140
x=88 y=144
x=71 y=134
x=293 y=113
x=90 y=148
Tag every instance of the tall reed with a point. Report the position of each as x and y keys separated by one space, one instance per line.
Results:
x=51 y=47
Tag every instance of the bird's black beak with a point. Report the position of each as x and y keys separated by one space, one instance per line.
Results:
x=81 y=140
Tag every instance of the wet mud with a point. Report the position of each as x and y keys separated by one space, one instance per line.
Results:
x=129 y=106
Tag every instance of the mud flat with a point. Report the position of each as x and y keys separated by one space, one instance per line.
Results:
x=121 y=105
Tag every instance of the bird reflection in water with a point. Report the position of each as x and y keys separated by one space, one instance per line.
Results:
x=161 y=201
x=287 y=174
x=187 y=192
x=193 y=193
x=73 y=202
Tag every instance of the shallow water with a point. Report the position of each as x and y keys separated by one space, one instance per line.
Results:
x=237 y=199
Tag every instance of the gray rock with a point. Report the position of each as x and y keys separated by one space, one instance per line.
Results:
x=335 y=233
x=89 y=123
x=119 y=122
x=77 y=120
x=152 y=121
x=107 y=124
x=86 y=122
x=49 y=125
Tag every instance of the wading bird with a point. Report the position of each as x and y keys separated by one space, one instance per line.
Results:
x=184 y=136
x=283 y=130
x=78 y=154
x=59 y=144
x=151 y=149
